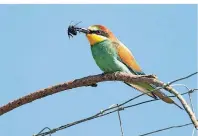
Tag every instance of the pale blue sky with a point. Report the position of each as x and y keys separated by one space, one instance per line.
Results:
x=36 y=53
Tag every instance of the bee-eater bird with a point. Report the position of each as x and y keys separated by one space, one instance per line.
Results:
x=112 y=56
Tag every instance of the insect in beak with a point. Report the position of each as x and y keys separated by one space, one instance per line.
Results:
x=73 y=29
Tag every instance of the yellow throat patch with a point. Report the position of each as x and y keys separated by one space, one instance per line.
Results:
x=94 y=38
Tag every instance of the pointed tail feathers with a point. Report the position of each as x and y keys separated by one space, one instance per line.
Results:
x=145 y=88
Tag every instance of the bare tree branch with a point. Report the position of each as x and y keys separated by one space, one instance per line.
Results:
x=90 y=80
x=86 y=81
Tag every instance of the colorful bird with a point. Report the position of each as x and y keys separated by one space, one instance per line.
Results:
x=111 y=56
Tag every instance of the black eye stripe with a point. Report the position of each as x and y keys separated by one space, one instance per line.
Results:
x=99 y=32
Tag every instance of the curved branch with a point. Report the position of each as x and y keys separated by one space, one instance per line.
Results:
x=90 y=80
x=86 y=81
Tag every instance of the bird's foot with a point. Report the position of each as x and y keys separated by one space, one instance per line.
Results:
x=117 y=72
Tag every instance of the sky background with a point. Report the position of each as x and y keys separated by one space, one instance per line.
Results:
x=35 y=52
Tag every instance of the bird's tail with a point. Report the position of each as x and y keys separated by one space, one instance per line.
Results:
x=148 y=89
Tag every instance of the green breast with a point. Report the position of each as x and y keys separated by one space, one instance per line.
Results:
x=105 y=55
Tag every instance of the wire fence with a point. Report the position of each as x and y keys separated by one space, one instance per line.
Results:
x=126 y=105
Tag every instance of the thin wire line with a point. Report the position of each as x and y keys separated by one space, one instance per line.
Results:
x=165 y=129
x=120 y=121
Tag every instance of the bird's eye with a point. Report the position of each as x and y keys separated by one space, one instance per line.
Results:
x=98 y=32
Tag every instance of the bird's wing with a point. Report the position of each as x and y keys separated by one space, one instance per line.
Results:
x=126 y=57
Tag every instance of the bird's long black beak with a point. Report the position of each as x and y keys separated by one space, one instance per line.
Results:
x=83 y=30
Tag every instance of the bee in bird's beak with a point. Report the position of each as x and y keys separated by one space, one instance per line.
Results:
x=73 y=29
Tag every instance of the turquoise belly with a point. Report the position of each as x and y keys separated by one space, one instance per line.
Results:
x=105 y=56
